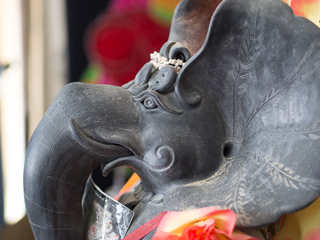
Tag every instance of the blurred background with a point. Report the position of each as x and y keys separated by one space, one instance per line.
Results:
x=45 y=44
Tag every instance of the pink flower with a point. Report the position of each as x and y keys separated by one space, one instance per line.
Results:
x=309 y=9
x=200 y=224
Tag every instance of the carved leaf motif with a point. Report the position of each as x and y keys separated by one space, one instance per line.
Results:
x=218 y=178
x=249 y=52
x=308 y=60
x=238 y=199
x=289 y=133
x=285 y=175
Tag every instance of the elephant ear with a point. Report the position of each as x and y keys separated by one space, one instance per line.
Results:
x=260 y=67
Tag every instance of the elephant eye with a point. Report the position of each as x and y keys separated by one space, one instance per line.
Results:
x=149 y=103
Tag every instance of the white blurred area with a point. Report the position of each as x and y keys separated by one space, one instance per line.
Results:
x=33 y=42
x=12 y=108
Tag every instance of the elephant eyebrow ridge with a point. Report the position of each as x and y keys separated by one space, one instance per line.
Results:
x=161 y=101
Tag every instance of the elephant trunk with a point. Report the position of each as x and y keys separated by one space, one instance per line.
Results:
x=75 y=136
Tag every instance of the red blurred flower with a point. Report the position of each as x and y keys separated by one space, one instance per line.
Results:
x=120 y=41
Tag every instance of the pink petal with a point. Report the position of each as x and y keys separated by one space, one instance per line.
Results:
x=165 y=236
x=175 y=220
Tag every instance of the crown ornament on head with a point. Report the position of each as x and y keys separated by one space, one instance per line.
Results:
x=159 y=61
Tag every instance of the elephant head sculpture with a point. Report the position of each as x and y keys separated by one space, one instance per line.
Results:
x=226 y=114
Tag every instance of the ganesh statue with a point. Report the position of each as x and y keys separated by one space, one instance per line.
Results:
x=226 y=114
